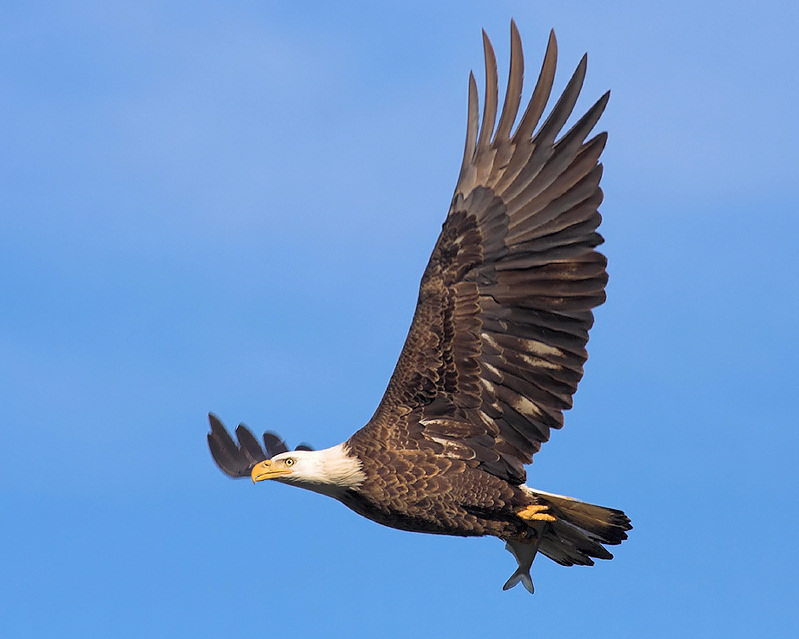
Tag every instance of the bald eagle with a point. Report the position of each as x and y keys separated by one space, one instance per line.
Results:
x=495 y=350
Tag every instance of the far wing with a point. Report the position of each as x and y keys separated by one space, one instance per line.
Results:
x=237 y=459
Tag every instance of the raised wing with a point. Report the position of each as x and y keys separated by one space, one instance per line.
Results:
x=497 y=344
x=238 y=459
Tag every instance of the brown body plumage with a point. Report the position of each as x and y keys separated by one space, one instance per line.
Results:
x=497 y=344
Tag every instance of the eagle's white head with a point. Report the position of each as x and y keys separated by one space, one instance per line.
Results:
x=330 y=471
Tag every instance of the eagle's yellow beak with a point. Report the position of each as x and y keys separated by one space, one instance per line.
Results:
x=266 y=470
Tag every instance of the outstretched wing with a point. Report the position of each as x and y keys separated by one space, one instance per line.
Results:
x=497 y=344
x=238 y=459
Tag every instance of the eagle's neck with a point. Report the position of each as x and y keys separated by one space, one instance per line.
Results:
x=332 y=471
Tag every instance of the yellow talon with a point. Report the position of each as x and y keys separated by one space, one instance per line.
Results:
x=535 y=512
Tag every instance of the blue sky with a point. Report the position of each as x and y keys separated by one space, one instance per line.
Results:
x=228 y=206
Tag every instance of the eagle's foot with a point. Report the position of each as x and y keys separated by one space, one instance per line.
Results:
x=535 y=512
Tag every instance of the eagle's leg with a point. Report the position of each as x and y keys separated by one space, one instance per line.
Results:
x=535 y=512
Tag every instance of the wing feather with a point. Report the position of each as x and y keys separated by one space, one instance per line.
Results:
x=490 y=110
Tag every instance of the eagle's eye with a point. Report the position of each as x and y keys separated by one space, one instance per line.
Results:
x=289 y=461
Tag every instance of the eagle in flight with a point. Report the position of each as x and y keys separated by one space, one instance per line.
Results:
x=495 y=350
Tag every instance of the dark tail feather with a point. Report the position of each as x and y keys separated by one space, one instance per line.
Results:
x=580 y=530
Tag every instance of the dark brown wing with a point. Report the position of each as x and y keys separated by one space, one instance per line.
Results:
x=497 y=343
x=237 y=459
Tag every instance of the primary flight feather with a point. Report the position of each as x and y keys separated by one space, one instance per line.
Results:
x=495 y=350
